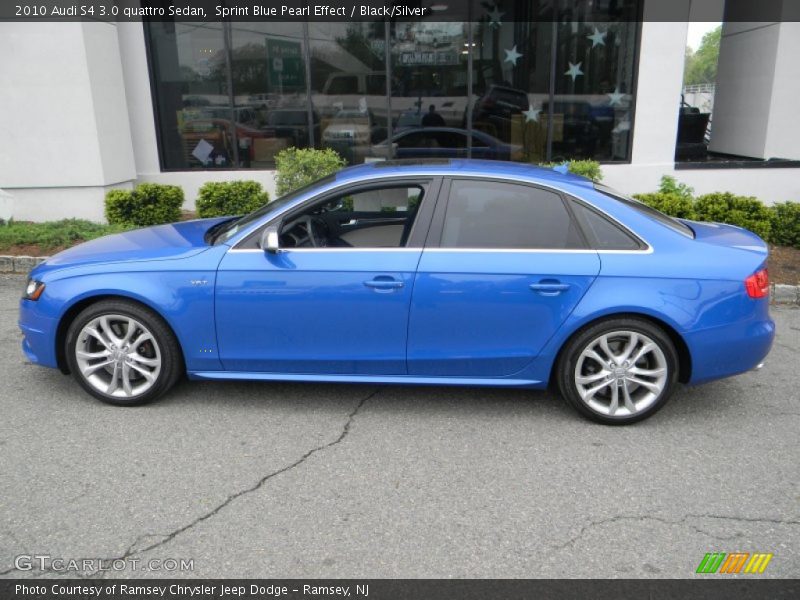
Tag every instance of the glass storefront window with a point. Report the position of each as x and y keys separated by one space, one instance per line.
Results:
x=269 y=91
x=189 y=72
x=348 y=83
x=516 y=83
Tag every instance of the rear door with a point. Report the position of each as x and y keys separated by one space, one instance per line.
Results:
x=504 y=266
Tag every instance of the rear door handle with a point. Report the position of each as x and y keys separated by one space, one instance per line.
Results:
x=549 y=288
x=384 y=283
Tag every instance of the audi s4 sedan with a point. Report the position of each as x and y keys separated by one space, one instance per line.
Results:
x=451 y=272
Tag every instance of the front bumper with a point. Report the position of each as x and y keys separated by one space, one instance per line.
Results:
x=39 y=334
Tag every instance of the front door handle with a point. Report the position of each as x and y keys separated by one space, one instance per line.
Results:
x=549 y=288
x=384 y=284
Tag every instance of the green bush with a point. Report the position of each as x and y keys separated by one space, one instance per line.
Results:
x=298 y=167
x=785 y=222
x=670 y=185
x=673 y=205
x=52 y=235
x=585 y=168
x=744 y=211
x=147 y=204
x=229 y=198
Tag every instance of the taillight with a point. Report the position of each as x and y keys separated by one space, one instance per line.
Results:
x=757 y=284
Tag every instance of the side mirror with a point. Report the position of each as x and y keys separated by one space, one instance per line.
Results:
x=270 y=242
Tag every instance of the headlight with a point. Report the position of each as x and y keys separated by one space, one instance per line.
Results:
x=33 y=289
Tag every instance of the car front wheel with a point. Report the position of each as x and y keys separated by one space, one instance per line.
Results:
x=122 y=353
x=618 y=371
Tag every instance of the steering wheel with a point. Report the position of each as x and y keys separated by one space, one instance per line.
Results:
x=311 y=235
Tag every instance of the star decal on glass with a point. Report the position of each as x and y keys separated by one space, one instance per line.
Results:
x=598 y=37
x=494 y=17
x=512 y=56
x=622 y=127
x=532 y=115
x=574 y=70
x=615 y=97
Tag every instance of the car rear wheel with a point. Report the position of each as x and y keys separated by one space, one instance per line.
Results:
x=618 y=371
x=122 y=353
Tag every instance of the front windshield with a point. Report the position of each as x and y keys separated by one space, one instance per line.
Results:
x=231 y=228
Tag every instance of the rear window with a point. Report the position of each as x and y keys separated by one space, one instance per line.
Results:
x=647 y=211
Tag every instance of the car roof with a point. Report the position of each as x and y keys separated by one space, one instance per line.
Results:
x=462 y=166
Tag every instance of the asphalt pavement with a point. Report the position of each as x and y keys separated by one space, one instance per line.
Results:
x=305 y=480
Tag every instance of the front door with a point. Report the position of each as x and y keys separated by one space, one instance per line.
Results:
x=509 y=267
x=335 y=299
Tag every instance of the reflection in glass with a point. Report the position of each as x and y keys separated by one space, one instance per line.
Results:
x=190 y=77
x=269 y=90
x=542 y=86
x=348 y=83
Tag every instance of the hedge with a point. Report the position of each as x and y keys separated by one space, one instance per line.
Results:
x=300 y=166
x=585 y=168
x=744 y=211
x=778 y=224
x=230 y=198
x=147 y=204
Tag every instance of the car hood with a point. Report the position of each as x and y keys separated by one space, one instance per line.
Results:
x=731 y=236
x=162 y=242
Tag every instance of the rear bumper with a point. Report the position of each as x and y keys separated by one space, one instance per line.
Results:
x=729 y=350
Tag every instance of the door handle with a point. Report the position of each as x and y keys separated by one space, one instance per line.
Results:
x=549 y=288
x=384 y=283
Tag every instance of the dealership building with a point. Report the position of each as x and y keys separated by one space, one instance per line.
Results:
x=86 y=107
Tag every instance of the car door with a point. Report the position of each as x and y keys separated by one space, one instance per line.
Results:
x=505 y=265
x=338 y=308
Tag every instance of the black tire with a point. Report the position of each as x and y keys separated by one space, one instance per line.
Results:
x=570 y=355
x=171 y=357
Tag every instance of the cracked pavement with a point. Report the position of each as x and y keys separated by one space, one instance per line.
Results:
x=307 y=480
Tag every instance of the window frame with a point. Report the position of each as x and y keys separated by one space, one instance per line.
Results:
x=437 y=224
x=419 y=230
x=312 y=121
x=643 y=246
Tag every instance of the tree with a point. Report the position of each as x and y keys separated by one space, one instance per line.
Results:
x=701 y=66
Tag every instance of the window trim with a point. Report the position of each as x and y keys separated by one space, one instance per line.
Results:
x=416 y=239
x=642 y=245
x=437 y=224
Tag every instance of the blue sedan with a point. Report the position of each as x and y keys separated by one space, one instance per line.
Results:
x=444 y=272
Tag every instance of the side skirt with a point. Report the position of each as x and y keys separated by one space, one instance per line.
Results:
x=387 y=379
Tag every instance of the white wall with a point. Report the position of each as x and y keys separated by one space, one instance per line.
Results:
x=63 y=117
x=768 y=185
x=658 y=92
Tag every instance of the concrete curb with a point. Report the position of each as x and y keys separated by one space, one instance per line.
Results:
x=779 y=293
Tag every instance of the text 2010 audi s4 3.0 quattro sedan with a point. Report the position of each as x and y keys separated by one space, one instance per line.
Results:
x=447 y=272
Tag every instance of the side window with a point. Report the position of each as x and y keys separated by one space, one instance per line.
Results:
x=373 y=218
x=343 y=84
x=418 y=139
x=485 y=214
x=603 y=233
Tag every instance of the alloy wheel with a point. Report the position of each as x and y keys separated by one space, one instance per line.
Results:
x=621 y=373
x=118 y=356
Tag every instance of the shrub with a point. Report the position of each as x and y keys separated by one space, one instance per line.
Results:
x=673 y=205
x=670 y=185
x=744 y=211
x=585 y=168
x=147 y=204
x=298 y=167
x=229 y=198
x=785 y=222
